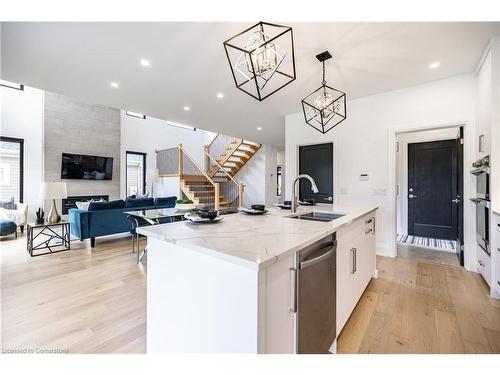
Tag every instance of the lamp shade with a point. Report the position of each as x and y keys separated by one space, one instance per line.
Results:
x=153 y=175
x=53 y=190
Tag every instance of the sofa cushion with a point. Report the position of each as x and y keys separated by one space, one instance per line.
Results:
x=139 y=202
x=99 y=206
x=8 y=204
x=165 y=201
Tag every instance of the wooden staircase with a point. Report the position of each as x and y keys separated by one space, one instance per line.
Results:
x=214 y=185
x=200 y=191
x=232 y=158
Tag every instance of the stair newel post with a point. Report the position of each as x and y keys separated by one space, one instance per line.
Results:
x=207 y=158
x=217 y=195
x=240 y=195
x=180 y=160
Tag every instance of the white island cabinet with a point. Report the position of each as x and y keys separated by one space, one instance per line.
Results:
x=230 y=287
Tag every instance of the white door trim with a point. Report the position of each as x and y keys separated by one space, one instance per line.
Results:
x=469 y=189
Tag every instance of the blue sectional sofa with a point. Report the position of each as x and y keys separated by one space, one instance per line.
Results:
x=104 y=218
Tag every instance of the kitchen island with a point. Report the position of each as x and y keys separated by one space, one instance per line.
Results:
x=229 y=286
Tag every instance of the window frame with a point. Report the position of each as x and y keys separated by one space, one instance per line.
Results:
x=21 y=163
x=144 y=157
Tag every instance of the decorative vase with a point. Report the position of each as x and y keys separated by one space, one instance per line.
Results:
x=54 y=216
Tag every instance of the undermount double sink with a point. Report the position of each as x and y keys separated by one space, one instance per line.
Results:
x=318 y=216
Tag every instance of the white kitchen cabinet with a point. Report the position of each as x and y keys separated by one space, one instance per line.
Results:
x=495 y=257
x=356 y=264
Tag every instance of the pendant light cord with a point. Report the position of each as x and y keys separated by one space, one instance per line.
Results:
x=324 y=81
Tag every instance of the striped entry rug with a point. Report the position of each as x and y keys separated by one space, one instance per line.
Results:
x=435 y=243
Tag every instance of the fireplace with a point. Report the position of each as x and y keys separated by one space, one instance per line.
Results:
x=70 y=202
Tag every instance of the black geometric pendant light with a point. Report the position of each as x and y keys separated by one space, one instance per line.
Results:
x=262 y=59
x=325 y=107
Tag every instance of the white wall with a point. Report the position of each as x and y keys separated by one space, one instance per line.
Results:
x=259 y=176
x=22 y=117
x=402 y=167
x=154 y=134
x=361 y=143
x=280 y=160
x=270 y=173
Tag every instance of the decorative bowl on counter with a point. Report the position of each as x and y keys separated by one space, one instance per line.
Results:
x=197 y=219
x=253 y=211
x=184 y=205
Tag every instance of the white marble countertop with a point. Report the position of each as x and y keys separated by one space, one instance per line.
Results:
x=255 y=241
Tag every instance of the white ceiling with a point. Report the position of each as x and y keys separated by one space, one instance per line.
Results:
x=189 y=66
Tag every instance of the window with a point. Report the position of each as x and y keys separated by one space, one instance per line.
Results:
x=136 y=115
x=135 y=175
x=278 y=180
x=11 y=168
x=12 y=85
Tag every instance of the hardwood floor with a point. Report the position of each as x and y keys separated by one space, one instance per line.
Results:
x=94 y=301
x=83 y=301
x=427 y=255
x=421 y=307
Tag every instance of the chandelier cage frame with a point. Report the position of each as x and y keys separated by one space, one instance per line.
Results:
x=246 y=56
x=316 y=117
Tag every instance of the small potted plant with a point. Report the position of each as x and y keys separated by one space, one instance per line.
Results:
x=184 y=205
x=39 y=216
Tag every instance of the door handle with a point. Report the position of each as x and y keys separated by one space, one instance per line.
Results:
x=329 y=199
x=319 y=258
x=353 y=257
x=411 y=196
x=457 y=201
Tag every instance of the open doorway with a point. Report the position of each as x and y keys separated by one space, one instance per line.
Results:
x=430 y=195
x=135 y=173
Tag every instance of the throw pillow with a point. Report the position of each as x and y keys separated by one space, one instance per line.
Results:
x=8 y=204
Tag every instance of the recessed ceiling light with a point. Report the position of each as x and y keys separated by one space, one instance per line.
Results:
x=434 y=65
x=259 y=128
x=145 y=62
x=114 y=85
x=186 y=108
x=220 y=95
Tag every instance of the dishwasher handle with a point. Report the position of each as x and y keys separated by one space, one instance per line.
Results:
x=311 y=262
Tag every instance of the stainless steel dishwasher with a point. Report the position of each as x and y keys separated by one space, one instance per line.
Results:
x=316 y=296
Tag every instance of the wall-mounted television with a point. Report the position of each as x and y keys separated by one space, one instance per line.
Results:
x=86 y=167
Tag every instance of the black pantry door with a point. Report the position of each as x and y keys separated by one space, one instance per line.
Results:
x=460 y=194
x=432 y=189
x=317 y=161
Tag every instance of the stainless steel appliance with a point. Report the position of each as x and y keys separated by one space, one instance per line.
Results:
x=482 y=223
x=315 y=296
x=482 y=172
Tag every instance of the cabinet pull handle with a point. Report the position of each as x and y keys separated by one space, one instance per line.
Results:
x=353 y=258
x=368 y=231
x=293 y=290
x=369 y=220
x=480 y=263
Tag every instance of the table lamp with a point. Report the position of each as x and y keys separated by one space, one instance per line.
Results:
x=53 y=190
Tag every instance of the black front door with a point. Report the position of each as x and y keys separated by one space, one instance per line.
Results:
x=459 y=201
x=432 y=189
x=317 y=161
